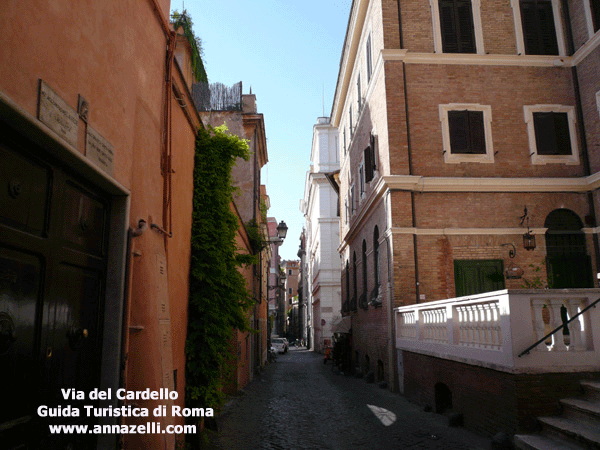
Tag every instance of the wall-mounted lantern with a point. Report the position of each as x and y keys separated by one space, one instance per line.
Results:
x=529 y=240
x=529 y=237
x=512 y=272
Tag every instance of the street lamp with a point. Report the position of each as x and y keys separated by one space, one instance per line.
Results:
x=280 y=286
x=282 y=230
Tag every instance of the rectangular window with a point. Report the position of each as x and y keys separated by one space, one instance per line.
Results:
x=552 y=130
x=458 y=30
x=369 y=60
x=539 y=32
x=552 y=135
x=467 y=134
x=352 y=199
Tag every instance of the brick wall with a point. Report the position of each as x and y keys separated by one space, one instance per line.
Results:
x=506 y=90
x=417 y=27
x=491 y=401
x=497 y=22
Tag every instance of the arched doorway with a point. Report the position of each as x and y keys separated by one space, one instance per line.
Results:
x=567 y=262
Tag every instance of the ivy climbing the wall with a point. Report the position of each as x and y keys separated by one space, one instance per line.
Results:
x=219 y=300
x=185 y=21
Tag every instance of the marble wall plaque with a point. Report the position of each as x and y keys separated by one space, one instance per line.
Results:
x=99 y=150
x=57 y=115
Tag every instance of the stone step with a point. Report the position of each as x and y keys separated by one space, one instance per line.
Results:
x=581 y=409
x=579 y=432
x=591 y=389
x=543 y=442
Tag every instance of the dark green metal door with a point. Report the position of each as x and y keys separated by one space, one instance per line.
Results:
x=478 y=276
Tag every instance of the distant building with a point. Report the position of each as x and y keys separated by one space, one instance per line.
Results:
x=320 y=207
x=292 y=277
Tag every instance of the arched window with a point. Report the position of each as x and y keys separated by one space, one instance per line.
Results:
x=567 y=262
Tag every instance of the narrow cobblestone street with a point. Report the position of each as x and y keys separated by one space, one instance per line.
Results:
x=299 y=403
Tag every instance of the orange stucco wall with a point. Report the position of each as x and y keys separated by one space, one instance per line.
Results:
x=112 y=53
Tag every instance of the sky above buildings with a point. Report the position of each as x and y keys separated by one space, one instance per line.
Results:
x=288 y=53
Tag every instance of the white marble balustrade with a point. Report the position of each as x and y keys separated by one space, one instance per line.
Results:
x=493 y=328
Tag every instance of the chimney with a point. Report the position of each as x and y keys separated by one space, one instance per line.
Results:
x=249 y=103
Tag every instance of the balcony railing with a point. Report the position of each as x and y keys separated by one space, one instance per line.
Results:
x=492 y=329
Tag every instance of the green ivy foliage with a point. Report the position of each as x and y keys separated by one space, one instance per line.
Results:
x=255 y=235
x=184 y=20
x=219 y=300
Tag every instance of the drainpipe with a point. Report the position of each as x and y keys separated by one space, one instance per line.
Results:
x=126 y=319
x=166 y=166
x=412 y=193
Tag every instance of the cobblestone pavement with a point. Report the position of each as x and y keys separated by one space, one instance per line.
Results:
x=298 y=403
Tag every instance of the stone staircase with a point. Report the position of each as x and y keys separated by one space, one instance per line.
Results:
x=577 y=428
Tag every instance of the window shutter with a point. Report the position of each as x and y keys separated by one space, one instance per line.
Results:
x=552 y=134
x=476 y=132
x=539 y=33
x=545 y=135
x=457 y=123
x=457 y=28
x=529 y=22
x=548 y=40
x=368 y=164
x=466 y=37
x=448 y=27
x=373 y=141
x=563 y=137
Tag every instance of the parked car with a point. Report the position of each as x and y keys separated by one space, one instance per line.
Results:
x=278 y=344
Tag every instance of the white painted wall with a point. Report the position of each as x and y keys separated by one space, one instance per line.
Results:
x=319 y=207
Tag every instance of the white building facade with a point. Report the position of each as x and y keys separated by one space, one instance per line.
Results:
x=320 y=207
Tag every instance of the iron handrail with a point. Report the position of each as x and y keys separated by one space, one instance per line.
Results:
x=528 y=349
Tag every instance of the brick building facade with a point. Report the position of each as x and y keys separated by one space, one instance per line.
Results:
x=463 y=124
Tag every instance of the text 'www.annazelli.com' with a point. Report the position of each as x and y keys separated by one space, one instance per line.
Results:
x=148 y=428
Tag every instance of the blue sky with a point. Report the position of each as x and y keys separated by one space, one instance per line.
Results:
x=288 y=52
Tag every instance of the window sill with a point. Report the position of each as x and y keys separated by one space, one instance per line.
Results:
x=569 y=160
x=458 y=158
